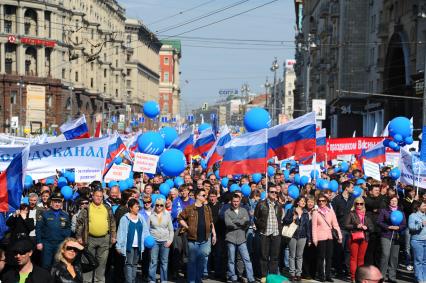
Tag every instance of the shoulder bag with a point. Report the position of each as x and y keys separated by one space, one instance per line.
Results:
x=288 y=231
x=334 y=232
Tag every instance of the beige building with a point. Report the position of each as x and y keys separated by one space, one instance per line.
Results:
x=83 y=55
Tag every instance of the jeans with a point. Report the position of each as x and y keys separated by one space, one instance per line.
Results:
x=269 y=253
x=197 y=252
x=419 y=254
x=296 y=247
x=159 y=251
x=407 y=246
x=47 y=255
x=99 y=247
x=131 y=265
x=242 y=249
x=389 y=259
x=254 y=250
x=343 y=253
x=206 y=262
x=358 y=249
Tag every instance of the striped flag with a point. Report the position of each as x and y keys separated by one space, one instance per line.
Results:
x=75 y=129
x=216 y=152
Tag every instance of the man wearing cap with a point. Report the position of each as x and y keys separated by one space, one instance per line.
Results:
x=52 y=228
x=25 y=270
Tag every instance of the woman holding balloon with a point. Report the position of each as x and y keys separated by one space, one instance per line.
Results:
x=417 y=226
x=392 y=222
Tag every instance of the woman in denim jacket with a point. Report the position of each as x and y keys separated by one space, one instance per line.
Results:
x=417 y=226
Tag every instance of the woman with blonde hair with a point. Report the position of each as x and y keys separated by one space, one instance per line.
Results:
x=161 y=228
x=359 y=225
x=69 y=266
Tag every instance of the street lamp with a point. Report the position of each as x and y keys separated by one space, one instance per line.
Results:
x=70 y=88
x=275 y=66
x=21 y=85
x=245 y=89
x=310 y=44
x=267 y=86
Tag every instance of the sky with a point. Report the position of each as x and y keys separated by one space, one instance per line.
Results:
x=208 y=66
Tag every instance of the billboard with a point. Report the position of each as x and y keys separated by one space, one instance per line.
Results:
x=36 y=106
x=318 y=105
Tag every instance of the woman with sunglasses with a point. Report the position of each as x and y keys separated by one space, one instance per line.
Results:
x=323 y=222
x=70 y=266
x=417 y=225
x=359 y=225
x=161 y=228
x=390 y=236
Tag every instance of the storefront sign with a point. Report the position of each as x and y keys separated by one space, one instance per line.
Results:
x=32 y=41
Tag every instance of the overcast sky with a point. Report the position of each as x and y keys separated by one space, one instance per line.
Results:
x=208 y=66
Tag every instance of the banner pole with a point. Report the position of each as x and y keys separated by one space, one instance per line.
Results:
x=266 y=166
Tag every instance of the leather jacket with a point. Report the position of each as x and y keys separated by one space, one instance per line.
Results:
x=261 y=215
x=85 y=262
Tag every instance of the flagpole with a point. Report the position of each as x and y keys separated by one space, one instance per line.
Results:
x=266 y=166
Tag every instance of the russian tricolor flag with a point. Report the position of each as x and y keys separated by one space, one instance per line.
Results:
x=216 y=152
x=376 y=154
x=204 y=142
x=321 y=148
x=12 y=182
x=245 y=154
x=115 y=147
x=75 y=129
x=296 y=138
x=184 y=142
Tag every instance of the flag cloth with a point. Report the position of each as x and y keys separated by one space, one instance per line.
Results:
x=245 y=154
x=204 y=142
x=115 y=148
x=296 y=138
x=376 y=154
x=12 y=182
x=216 y=152
x=75 y=129
x=98 y=131
x=321 y=148
x=185 y=142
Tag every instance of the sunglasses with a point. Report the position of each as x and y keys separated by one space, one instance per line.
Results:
x=273 y=192
x=74 y=249
x=147 y=202
x=21 y=252
x=322 y=200
x=359 y=203
x=85 y=203
x=159 y=205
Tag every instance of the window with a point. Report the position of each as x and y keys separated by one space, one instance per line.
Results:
x=373 y=23
x=91 y=82
x=91 y=66
x=128 y=71
x=105 y=88
x=166 y=77
x=63 y=73
x=116 y=63
x=129 y=84
x=371 y=56
x=50 y=101
x=116 y=92
x=105 y=73
x=116 y=50
x=116 y=79
x=8 y=26
x=76 y=76
x=13 y=96
x=166 y=60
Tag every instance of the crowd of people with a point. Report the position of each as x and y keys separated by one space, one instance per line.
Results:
x=204 y=229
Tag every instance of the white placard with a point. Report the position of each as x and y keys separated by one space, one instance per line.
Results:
x=118 y=173
x=392 y=158
x=372 y=170
x=318 y=105
x=87 y=175
x=413 y=171
x=145 y=163
x=305 y=170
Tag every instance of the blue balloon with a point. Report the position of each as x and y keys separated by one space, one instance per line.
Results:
x=246 y=190
x=25 y=200
x=396 y=217
x=217 y=174
x=324 y=184
x=293 y=191
x=112 y=184
x=256 y=119
x=400 y=126
x=314 y=174
x=123 y=185
x=165 y=189
x=257 y=177
x=333 y=185
x=203 y=164
x=225 y=182
x=67 y=192
x=62 y=181
x=178 y=181
x=297 y=179
x=28 y=183
x=49 y=181
x=151 y=143
x=360 y=181
x=395 y=173
x=286 y=174
x=234 y=187
x=169 y=134
x=170 y=183
x=263 y=195
x=172 y=162
x=386 y=142
x=75 y=195
x=271 y=170
x=288 y=206
x=304 y=180
x=118 y=160
x=149 y=242
x=344 y=166
x=408 y=140
x=154 y=198
x=130 y=182
x=357 y=191
x=70 y=176
x=151 y=109
x=398 y=138
x=204 y=126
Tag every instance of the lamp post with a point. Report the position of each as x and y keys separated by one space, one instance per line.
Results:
x=310 y=44
x=275 y=66
x=267 y=86
x=21 y=85
x=70 y=88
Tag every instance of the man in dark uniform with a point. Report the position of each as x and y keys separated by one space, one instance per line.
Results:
x=52 y=228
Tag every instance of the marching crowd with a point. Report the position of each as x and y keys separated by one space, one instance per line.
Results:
x=203 y=229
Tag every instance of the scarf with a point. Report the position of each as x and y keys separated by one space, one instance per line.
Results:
x=393 y=208
x=361 y=215
x=323 y=210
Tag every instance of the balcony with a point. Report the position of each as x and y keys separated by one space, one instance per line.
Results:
x=325 y=10
x=383 y=30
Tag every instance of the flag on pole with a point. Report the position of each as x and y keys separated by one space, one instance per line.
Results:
x=321 y=148
x=204 y=142
x=115 y=148
x=12 y=182
x=245 y=154
x=75 y=129
x=216 y=152
x=184 y=142
x=376 y=154
x=295 y=138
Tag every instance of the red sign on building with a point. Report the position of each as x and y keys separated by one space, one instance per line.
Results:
x=32 y=41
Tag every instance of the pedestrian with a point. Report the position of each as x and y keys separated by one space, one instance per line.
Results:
x=72 y=260
x=52 y=228
x=301 y=237
x=309 y=253
x=325 y=229
x=20 y=224
x=24 y=270
x=372 y=207
x=96 y=229
x=161 y=228
x=417 y=226
x=390 y=238
x=359 y=225
x=131 y=234
x=197 y=222
x=268 y=220
x=237 y=220
x=407 y=204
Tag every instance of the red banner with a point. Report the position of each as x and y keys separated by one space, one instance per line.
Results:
x=343 y=146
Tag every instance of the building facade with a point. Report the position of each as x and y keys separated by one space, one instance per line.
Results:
x=70 y=58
